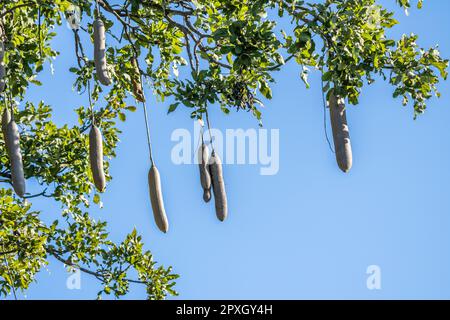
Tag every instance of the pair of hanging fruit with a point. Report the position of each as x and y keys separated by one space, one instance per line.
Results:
x=341 y=135
x=95 y=135
x=211 y=175
x=11 y=136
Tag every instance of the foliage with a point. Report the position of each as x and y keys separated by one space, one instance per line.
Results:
x=200 y=53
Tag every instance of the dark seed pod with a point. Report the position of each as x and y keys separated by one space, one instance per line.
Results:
x=100 y=52
x=218 y=185
x=156 y=198
x=136 y=82
x=15 y=157
x=96 y=158
x=341 y=135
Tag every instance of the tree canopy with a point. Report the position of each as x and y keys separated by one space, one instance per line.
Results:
x=198 y=53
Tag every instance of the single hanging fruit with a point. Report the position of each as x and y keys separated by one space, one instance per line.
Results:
x=156 y=198
x=15 y=158
x=96 y=158
x=205 y=177
x=100 y=52
x=218 y=185
x=341 y=135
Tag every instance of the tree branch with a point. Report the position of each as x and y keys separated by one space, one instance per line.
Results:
x=98 y=275
x=4 y=253
x=11 y=10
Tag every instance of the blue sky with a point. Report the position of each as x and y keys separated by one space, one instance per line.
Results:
x=308 y=232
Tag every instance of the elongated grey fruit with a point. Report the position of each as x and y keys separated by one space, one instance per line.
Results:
x=218 y=185
x=2 y=77
x=341 y=135
x=96 y=158
x=205 y=177
x=157 y=200
x=100 y=52
x=15 y=157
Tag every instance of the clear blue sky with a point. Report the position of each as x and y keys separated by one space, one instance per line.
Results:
x=308 y=232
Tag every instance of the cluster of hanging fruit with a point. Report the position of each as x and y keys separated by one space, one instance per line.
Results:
x=210 y=166
x=95 y=136
x=96 y=147
x=211 y=176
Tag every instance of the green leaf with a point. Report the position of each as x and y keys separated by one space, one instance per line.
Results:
x=173 y=107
